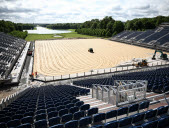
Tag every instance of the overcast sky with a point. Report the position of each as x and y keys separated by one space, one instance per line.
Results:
x=68 y=11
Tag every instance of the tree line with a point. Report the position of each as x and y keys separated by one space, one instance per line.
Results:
x=15 y=29
x=101 y=28
x=64 y=26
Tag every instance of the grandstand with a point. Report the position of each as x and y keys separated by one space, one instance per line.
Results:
x=150 y=38
x=10 y=49
x=129 y=98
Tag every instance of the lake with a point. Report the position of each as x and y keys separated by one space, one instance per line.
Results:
x=43 y=30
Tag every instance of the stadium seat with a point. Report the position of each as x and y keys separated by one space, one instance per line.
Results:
x=60 y=107
x=3 y=125
x=125 y=121
x=99 y=117
x=63 y=112
x=51 y=109
x=78 y=115
x=41 y=111
x=97 y=126
x=138 y=117
x=17 y=116
x=28 y=119
x=79 y=103
x=133 y=107
x=85 y=107
x=122 y=111
x=73 y=109
x=67 y=117
x=13 y=123
x=152 y=124
x=54 y=121
x=40 y=117
x=84 y=121
x=52 y=114
x=163 y=122
x=71 y=124
x=27 y=125
x=150 y=113
x=162 y=110
x=111 y=114
x=57 y=126
x=92 y=111
x=111 y=124
x=41 y=124
x=5 y=119
x=75 y=100
x=68 y=106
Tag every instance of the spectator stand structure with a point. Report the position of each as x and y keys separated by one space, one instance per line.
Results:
x=150 y=38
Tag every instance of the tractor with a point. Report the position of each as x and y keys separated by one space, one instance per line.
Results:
x=90 y=50
x=143 y=63
x=162 y=56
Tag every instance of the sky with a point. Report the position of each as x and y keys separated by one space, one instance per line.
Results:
x=78 y=11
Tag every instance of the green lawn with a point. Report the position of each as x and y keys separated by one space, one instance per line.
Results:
x=73 y=34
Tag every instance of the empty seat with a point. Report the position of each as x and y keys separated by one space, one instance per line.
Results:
x=111 y=124
x=125 y=121
x=85 y=107
x=85 y=121
x=3 y=125
x=92 y=111
x=133 y=107
x=73 y=109
x=29 y=114
x=5 y=119
x=78 y=115
x=99 y=117
x=69 y=105
x=79 y=103
x=27 y=125
x=52 y=114
x=67 y=117
x=40 y=117
x=144 y=104
x=54 y=121
x=51 y=109
x=150 y=113
x=63 y=112
x=152 y=124
x=163 y=122
x=75 y=100
x=162 y=110
x=57 y=126
x=17 y=116
x=41 y=124
x=60 y=107
x=41 y=111
x=138 y=117
x=13 y=123
x=122 y=111
x=97 y=126
x=111 y=114
x=71 y=124
x=28 y=119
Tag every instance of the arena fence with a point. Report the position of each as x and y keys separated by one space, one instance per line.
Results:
x=99 y=72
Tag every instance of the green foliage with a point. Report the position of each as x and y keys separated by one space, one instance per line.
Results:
x=63 y=26
x=19 y=34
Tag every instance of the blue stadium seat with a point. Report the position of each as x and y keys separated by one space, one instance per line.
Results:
x=97 y=126
x=85 y=107
x=17 y=116
x=29 y=114
x=111 y=114
x=13 y=123
x=111 y=124
x=67 y=117
x=63 y=112
x=73 y=109
x=133 y=107
x=162 y=110
x=40 y=117
x=71 y=124
x=78 y=115
x=60 y=107
x=122 y=111
x=57 y=126
x=3 y=125
x=150 y=113
x=27 y=125
x=75 y=100
x=125 y=121
x=79 y=103
x=5 y=119
x=51 y=109
x=99 y=117
x=54 y=121
x=84 y=121
x=152 y=124
x=41 y=124
x=41 y=111
x=138 y=117
x=92 y=111
x=68 y=106
x=144 y=104
x=52 y=114
x=163 y=122
x=28 y=119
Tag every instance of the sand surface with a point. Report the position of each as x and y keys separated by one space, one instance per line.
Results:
x=62 y=57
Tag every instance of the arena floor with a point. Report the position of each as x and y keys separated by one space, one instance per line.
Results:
x=62 y=57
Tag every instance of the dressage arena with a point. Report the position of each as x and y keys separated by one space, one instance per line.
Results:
x=62 y=57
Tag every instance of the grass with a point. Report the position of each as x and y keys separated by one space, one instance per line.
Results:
x=72 y=34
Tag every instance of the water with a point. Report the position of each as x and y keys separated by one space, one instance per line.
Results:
x=43 y=30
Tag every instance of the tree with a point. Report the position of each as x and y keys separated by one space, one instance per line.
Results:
x=118 y=26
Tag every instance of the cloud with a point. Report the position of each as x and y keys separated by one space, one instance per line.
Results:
x=62 y=11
